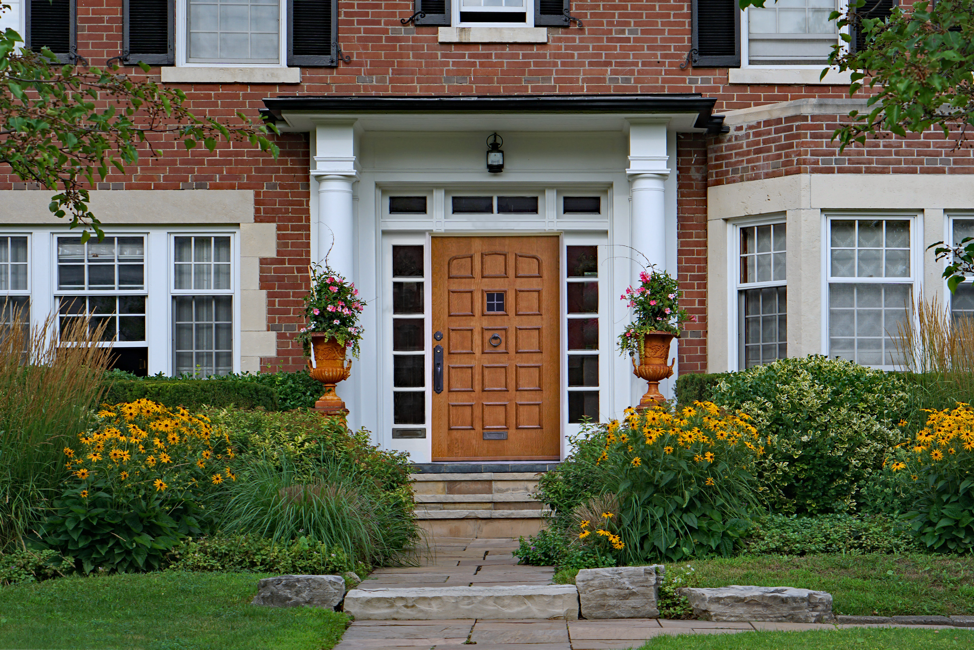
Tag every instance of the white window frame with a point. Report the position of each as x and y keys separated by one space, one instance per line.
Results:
x=949 y=239
x=182 y=42
x=735 y=286
x=916 y=264
x=843 y=6
x=21 y=293
x=528 y=16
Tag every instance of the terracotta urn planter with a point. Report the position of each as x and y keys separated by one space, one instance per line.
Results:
x=654 y=350
x=327 y=365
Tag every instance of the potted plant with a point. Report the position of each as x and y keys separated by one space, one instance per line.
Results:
x=333 y=309
x=657 y=317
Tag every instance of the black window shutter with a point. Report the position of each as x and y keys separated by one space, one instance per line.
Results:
x=716 y=33
x=435 y=12
x=148 y=32
x=51 y=24
x=872 y=9
x=552 y=13
x=312 y=33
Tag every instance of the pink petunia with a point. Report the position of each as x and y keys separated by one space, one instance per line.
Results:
x=315 y=311
x=336 y=322
x=652 y=302
x=667 y=310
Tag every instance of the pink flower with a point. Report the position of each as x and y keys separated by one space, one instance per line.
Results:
x=667 y=310
x=315 y=311
x=346 y=312
x=333 y=289
x=354 y=291
x=336 y=322
x=622 y=297
x=693 y=318
x=671 y=296
x=331 y=307
x=652 y=302
x=348 y=344
x=341 y=304
x=643 y=276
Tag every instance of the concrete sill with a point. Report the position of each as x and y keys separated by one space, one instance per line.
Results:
x=786 y=76
x=207 y=75
x=493 y=35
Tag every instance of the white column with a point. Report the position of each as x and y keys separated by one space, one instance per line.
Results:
x=334 y=169
x=335 y=223
x=649 y=218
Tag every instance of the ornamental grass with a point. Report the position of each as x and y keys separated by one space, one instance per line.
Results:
x=49 y=384
x=684 y=481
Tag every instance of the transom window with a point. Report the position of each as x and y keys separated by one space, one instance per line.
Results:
x=870 y=287
x=791 y=32
x=762 y=295
x=494 y=204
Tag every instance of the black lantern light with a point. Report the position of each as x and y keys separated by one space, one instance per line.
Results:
x=495 y=157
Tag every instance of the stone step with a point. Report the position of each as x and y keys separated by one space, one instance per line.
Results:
x=521 y=602
x=509 y=501
x=422 y=513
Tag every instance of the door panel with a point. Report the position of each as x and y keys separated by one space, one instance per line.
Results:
x=496 y=300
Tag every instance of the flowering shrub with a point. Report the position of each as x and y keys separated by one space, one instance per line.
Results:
x=136 y=484
x=828 y=425
x=941 y=459
x=683 y=480
x=656 y=305
x=333 y=308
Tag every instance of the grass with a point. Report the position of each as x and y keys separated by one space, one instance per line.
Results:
x=830 y=639
x=158 y=611
x=862 y=585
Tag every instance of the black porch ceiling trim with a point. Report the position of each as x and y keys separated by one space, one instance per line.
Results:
x=638 y=104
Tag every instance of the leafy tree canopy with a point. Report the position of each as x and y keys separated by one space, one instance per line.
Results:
x=64 y=127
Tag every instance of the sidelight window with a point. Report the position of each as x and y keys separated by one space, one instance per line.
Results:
x=582 y=290
x=408 y=342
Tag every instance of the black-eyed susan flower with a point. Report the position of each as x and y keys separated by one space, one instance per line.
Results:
x=84 y=494
x=217 y=479
x=584 y=534
x=159 y=485
x=82 y=474
x=164 y=458
x=69 y=452
x=123 y=475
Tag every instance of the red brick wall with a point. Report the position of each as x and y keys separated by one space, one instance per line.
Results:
x=802 y=144
x=625 y=47
x=691 y=210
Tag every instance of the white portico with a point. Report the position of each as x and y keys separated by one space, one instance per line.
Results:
x=523 y=335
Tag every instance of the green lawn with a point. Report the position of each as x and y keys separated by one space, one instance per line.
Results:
x=883 y=585
x=158 y=611
x=860 y=639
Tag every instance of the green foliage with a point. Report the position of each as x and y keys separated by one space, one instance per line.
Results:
x=262 y=555
x=43 y=404
x=835 y=533
x=193 y=394
x=828 y=425
x=67 y=127
x=696 y=386
x=21 y=566
x=576 y=480
x=553 y=548
x=111 y=532
x=684 y=481
x=943 y=517
x=671 y=604
x=838 y=639
x=334 y=505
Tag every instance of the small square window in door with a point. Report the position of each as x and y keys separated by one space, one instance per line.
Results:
x=495 y=302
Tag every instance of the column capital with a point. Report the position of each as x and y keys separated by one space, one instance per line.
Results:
x=647 y=166
x=334 y=166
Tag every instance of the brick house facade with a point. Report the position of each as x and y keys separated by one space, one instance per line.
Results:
x=702 y=140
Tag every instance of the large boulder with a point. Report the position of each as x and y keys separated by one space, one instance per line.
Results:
x=619 y=592
x=294 y=591
x=774 y=604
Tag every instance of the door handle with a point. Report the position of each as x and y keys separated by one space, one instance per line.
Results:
x=438 y=369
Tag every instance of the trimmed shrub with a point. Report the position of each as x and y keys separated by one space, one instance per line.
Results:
x=193 y=394
x=835 y=533
x=697 y=387
x=827 y=426
x=261 y=555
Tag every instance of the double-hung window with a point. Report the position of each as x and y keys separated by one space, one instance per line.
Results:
x=14 y=286
x=106 y=281
x=762 y=294
x=486 y=13
x=202 y=305
x=791 y=32
x=234 y=31
x=962 y=300
x=870 y=278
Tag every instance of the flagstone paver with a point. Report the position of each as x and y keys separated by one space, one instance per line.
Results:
x=489 y=562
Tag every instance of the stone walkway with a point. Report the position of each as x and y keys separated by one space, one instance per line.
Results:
x=489 y=562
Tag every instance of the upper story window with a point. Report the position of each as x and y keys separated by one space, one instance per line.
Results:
x=791 y=32
x=493 y=13
x=233 y=31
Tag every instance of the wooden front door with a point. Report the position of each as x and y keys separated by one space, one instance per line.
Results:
x=496 y=313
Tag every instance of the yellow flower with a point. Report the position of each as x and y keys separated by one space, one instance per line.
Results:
x=159 y=485
x=94 y=457
x=150 y=461
x=227 y=471
x=637 y=461
x=710 y=482
x=105 y=414
x=584 y=534
x=585 y=523
x=603 y=533
x=902 y=423
x=914 y=477
x=709 y=457
x=82 y=474
x=164 y=458
x=123 y=475
x=69 y=452
x=897 y=466
x=206 y=454
x=84 y=494
x=668 y=450
x=697 y=458
x=936 y=454
x=619 y=546
x=115 y=455
x=951 y=450
x=606 y=515
x=217 y=479
x=201 y=463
